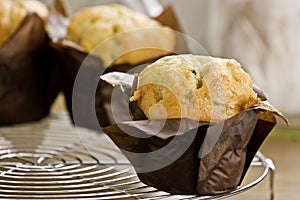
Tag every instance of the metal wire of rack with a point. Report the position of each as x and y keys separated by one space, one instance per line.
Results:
x=48 y=160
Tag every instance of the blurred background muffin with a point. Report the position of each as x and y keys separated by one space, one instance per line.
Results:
x=91 y=26
x=13 y=12
x=27 y=88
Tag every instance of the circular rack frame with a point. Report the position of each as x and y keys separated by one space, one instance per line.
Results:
x=50 y=160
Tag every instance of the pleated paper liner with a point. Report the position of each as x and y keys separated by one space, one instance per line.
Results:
x=69 y=58
x=221 y=169
x=25 y=71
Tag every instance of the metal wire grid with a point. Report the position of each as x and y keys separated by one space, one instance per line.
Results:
x=48 y=160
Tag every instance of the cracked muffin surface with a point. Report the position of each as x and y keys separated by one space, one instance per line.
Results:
x=200 y=88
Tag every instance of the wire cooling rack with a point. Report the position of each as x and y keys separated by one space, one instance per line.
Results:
x=50 y=160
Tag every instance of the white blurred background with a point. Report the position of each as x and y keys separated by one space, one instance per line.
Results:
x=263 y=35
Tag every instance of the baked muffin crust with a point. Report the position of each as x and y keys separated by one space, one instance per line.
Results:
x=200 y=88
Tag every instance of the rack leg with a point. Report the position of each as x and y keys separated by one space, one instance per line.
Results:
x=272 y=174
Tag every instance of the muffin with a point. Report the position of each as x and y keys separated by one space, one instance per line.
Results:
x=13 y=12
x=200 y=88
x=27 y=83
x=26 y=93
x=91 y=26
x=204 y=124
